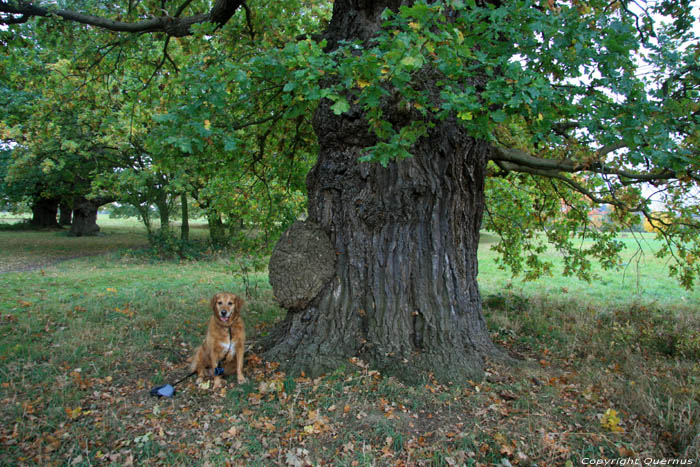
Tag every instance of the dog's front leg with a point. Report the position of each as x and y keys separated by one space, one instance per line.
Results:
x=199 y=363
x=213 y=363
x=240 y=349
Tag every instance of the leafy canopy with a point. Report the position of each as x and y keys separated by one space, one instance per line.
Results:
x=584 y=103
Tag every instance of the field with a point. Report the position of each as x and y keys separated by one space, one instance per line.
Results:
x=609 y=369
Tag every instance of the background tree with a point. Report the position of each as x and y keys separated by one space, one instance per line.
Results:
x=25 y=184
x=416 y=104
x=58 y=137
x=241 y=146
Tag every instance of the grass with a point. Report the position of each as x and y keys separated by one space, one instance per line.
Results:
x=642 y=278
x=24 y=250
x=27 y=249
x=82 y=340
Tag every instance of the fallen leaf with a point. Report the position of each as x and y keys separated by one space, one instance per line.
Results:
x=74 y=413
x=230 y=433
x=611 y=421
x=52 y=442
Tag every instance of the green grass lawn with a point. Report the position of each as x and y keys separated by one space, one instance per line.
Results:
x=642 y=278
x=26 y=250
x=609 y=369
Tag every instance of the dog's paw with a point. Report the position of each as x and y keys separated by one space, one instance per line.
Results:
x=241 y=379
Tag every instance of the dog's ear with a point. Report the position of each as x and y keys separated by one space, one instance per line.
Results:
x=214 y=299
x=239 y=303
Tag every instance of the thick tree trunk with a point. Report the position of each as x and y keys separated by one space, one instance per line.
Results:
x=85 y=217
x=404 y=295
x=44 y=212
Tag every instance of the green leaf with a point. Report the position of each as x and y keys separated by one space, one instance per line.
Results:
x=412 y=61
x=340 y=106
x=498 y=116
x=465 y=116
x=230 y=144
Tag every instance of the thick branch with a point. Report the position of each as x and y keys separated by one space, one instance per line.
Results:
x=520 y=161
x=220 y=13
x=514 y=160
x=521 y=158
x=572 y=183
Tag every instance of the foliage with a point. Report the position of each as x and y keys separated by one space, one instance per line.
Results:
x=656 y=223
x=164 y=245
x=142 y=140
x=604 y=96
x=235 y=140
x=568 y=90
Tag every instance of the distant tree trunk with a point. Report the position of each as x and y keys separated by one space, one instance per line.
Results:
x=145 y=213
x=44 y=212
x=85 y=217
x=185 y=227
x=163 y=206
x=66 y=214
x=164 y=215
x=218 y=233
x=403 y=293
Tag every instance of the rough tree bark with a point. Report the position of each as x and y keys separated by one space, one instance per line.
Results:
x=163 y=206
x=404 y=295
x=44 y=212
x=85 y=217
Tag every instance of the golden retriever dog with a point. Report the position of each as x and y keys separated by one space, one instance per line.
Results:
x=225 y=341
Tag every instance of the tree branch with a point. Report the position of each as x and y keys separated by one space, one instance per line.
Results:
x=521 y=158
x=220 y=13
x=182 y=8
x=594 y=197
x=562 y=128
x=159 y=66
x=249 y=20
x=605 y=150
x=520 y=161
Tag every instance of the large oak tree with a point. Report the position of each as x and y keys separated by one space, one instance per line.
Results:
x=427 y=116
